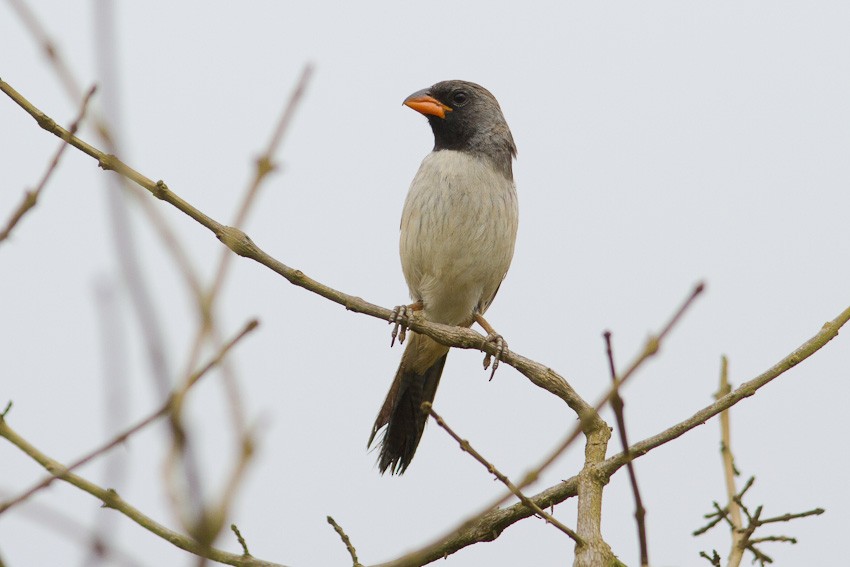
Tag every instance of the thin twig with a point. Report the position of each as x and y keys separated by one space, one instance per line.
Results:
x=467 y=448
x=618 y=406
x=490 y=524
x=31 y=196
x=111 y=499
x=651 y=347
x=52 y=519
x=346 y=540
x=789 y=517
x=240 y=539
x=212 y=517
x=735 y=510
x=51 y=52
x=736 y=552
x=142 y=424
x=463 y=532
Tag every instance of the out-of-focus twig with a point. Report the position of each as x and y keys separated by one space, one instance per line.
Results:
x=142 y=424
x=211 y=520
x=53 y=519
x=111 y=499
x=31 y=196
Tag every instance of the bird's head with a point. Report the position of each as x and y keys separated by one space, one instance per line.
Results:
x=466 y=117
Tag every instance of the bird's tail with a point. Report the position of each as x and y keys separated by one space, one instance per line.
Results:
x=415 y=382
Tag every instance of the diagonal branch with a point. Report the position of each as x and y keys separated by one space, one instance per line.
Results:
x=31 y=196
x=467 y=448
x=142 y=424
x=112 y=499
x=489 y=526
x=241 y=244
x=618 y=406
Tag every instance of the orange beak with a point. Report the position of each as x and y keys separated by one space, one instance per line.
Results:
x=424 y=103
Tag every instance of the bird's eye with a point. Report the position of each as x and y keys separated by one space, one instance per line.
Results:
x=460 y=98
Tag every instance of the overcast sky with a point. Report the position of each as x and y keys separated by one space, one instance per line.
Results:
x=660 y=143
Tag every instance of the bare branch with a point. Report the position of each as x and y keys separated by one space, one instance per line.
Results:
x=789 y=517
x=126 y=434
x=742 y=535
x=241 y=244
x=734 y=507
x=489 y=525
x=112 y=499
x=827 y=332
x=31 y=196
x=240 y=539
x=618 y=405
x=482 y=527
x=467 y=448
x=346 y=540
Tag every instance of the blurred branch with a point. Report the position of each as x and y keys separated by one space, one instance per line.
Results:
x=122 y=437
x=466 y=447
x=208 y=521
x=54 y=520
x=51 y=52
x=347 y=541
x=112 y=499
x=31 y=196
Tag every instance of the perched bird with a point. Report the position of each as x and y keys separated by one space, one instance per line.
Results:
x=458 y=229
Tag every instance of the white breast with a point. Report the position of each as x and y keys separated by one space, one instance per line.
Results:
x=458 y=230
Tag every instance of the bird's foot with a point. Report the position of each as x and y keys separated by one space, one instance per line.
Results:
x=495 y=338
x=400 y=319
x=501 y=349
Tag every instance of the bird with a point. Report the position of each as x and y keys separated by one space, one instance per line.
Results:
x=458 y=230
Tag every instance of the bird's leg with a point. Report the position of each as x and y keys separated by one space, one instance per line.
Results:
x=401 y=317
x=492 y=337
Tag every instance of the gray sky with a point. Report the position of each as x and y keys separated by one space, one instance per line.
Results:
x=659 y=144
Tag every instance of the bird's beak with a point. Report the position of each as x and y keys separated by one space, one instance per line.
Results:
x=424 y=103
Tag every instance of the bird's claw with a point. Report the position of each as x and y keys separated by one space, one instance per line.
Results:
x=400 y=319
x=501 y=348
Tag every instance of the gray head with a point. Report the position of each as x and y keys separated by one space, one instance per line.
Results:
x=466 y=117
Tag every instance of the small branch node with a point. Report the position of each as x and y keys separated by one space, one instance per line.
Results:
x=161 y=190
x=236 y=240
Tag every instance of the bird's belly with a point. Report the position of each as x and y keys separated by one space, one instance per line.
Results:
x=457 y=236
